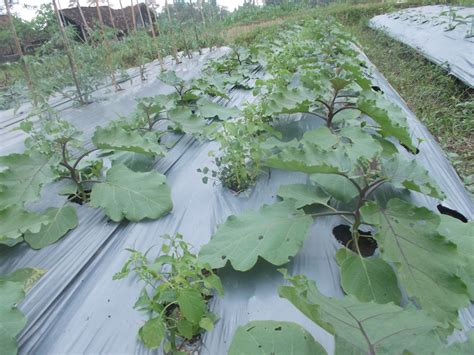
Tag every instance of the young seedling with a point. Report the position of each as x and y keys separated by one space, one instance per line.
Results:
x=176 y=294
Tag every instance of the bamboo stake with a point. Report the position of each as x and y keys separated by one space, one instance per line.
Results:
x=141 y=15
x=112 y=20
x=194 y=26
x=26 y=72
x=202 y=13
x=107 y=48
x=133 y=16
x=87 y=30
x=173 y=39
x=124 y=17
x=160 y=58
x=72 y=64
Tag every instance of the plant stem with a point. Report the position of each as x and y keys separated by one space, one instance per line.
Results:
x=363 y=195
x=335 y=213
x=82 y=156
x=72 y=171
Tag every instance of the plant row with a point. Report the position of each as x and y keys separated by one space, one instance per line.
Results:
x=360 y=161
x=112 y=171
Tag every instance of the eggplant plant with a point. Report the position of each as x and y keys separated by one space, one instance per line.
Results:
x=55 y=152
x=177 y=290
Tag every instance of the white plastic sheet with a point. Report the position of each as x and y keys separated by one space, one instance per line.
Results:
x=427 y=29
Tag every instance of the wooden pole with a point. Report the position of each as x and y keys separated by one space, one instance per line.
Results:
x=112 y=20
x=173 y=39
x=72 y=64
x=107 y=48
x=26 y=72
x=141 y=15
x=133 y=16
x=124 y=16
x=86 y=25
x=202 y=13
x=194 y=25
x=155 y=42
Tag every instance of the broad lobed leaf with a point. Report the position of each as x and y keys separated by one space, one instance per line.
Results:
x=274 y=337
x=427 y=262
x=61 y=221
x=364 y=328
x=16 y=221
x=23 y=178
x=12 y=291
x=368 y=278
x=132 y=195
x=275 y=233
x=117 y=138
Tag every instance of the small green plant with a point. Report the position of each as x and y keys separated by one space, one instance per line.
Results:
x=176 y=294
x=238 y=163
x=55 y=152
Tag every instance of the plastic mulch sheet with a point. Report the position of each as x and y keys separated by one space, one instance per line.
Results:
x=443 y=34
x=76 y=307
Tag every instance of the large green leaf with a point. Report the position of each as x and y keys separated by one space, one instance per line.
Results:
x=117 y=138
x=24 y=177
x=152 y=332
x=12 y=320
x=169 y=77
x=311 y=160
x=12 y=291
x=15 y=221
x=287 y=100
x=358 y=143
x=209 y=109
x=191 y=304
x=353 y=141
x=390 y=118
x=27 y=277
x=132 y=195
x=187 y=121
x=273 y=337
x=427 y=263
x=408 y=174
x=304 y=195
x=134 y=161
x=369 y=279
x=321 y=151
x=275 y=233
x=463 y=235
x=337 y=186
x=61 y=220
x=364 y=328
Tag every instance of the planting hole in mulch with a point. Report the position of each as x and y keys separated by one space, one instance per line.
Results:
x=367 y=244
x=377 y=88
x=408 y=150
x=75 y=198
x=450 y=212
